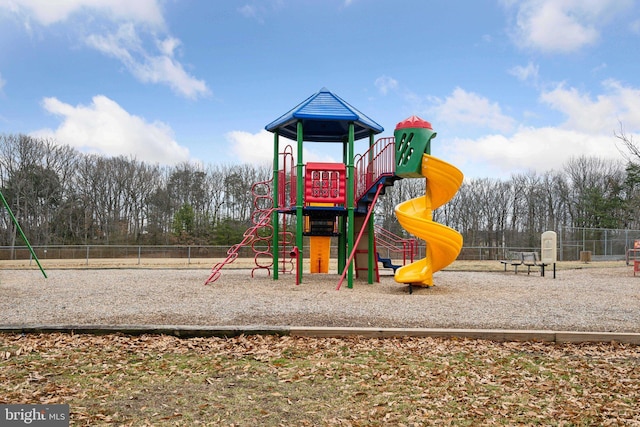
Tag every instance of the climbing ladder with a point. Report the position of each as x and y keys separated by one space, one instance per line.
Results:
x=260 y=235
x=261 y=243
x=247 y=238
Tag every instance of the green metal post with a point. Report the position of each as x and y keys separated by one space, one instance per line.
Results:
x=299 y=200
x=15 y=221
x=274 y=215
x=350 y=202
x=342 y=225
x=372 y=259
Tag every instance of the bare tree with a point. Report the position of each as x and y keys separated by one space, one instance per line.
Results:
x=632 y=150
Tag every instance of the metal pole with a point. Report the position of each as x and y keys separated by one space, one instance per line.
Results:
x=300 y=199
x=275 y=239
x=15 y=221
x=372 y=259
x=350 y=203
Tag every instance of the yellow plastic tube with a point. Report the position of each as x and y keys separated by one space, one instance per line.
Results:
x=416 y=216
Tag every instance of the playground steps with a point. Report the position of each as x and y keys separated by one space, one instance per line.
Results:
x=386 y=179
x=387 y=263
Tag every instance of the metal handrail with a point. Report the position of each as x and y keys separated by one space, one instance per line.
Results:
x=377 y=161
x=396 y=244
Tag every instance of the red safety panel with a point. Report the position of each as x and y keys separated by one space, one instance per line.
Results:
x=325 y=183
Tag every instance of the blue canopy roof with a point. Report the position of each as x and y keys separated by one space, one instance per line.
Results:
x=325 y=118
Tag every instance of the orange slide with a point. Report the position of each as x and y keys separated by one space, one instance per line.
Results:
x=319 y=249
x=416 y=216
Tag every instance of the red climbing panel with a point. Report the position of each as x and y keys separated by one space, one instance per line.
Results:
x=325 y=183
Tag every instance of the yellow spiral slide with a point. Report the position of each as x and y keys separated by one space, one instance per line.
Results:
x=416 y=216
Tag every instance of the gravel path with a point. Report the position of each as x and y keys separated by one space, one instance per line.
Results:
x=594 y=299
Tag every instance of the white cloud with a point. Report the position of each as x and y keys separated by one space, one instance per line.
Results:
x=597 y=69
x=538 y=149
x=2 y=82
x=386 y=84
x=126 y=46
x=251 y=12
x=104 y=127
x=251 y=147
x=469 y=108
x=51 y=12
x=600 y=115
x=149 y=64
x=257 y=148
x=258 y=10
x=587 y=130
x=526 y=73
x=119 y=45
x=500 y=145
x=562 y=26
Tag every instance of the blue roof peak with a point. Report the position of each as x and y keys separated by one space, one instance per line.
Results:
x=325 y=118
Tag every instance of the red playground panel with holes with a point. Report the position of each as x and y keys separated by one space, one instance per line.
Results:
x=325 y=183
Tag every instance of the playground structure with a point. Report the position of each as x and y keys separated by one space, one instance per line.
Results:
x=328 y=201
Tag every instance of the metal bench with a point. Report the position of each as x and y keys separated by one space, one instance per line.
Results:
x=514 y=259
x=530 y=259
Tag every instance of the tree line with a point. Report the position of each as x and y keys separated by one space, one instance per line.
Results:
x=61 y=196
x=588 y=192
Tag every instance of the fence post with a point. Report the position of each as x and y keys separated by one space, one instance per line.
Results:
x=139 y=253
x=561 y=247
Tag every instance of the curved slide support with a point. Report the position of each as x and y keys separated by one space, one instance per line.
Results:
x=416 y=216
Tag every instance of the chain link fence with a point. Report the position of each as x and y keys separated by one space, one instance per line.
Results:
x=573 y=244
x=599 y=243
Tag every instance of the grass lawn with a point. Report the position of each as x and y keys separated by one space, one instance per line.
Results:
x=274 y=381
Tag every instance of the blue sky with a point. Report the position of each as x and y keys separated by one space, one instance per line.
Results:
x=509 y=86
